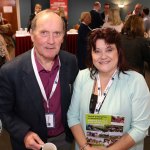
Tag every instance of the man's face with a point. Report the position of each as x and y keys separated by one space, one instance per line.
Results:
x=137 y=9
x=98 y=7
x=106 y=8
x=48 y=36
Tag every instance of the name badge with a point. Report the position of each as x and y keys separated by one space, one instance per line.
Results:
x=50 y=120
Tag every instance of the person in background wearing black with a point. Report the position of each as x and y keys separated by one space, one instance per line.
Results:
x=136 y=47
x=96 y=19
x=37 y=9
x=83 y=32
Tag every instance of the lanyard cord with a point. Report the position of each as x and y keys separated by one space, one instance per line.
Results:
x=40 y=82
x=102 y=96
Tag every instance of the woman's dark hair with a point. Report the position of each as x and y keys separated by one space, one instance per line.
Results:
x=110 y=36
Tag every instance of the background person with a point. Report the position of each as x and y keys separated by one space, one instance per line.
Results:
x=83 y=32
x=4 y=55
x=96 y=20
x=146 y=19
x=114 y=20
x=6 y=32
x=37 y=9
x=61 y=13
x=107 y=86
x=36 y=88
x=136 y=47
x=137 y=9
x=105 y=13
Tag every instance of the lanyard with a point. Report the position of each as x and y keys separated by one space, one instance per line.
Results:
x=102 y=96
x=40 y=82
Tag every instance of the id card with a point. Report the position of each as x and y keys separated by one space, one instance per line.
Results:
x=50 y=120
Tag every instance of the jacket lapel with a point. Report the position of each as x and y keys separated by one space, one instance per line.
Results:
x=32 y=86
x=63 y=78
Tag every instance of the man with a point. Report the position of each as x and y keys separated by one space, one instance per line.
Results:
x=36 y=88
x=37 y=9
x=146 y=19
x=105 y=13
x=96 y=20
x=137 y=9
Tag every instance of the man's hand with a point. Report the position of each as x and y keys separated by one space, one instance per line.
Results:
x=33 y=141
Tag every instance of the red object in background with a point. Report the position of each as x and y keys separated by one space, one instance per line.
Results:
x=71 y=43
x=23 y=44
x=55 y=4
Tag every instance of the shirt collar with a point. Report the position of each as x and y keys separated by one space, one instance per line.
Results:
x=40 y=68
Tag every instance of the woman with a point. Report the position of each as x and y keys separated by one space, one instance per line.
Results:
x=136 y=47
x=114 y=20
x=108 y=87
x=83 y=32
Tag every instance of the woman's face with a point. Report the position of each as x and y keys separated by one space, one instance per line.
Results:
x=105 y=57
x=87 y=19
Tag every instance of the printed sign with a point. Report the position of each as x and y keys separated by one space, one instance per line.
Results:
x=55 y=4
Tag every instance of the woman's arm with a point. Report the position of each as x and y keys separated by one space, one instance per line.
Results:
x=79 y=135
x=80 y=138
x=124 y=143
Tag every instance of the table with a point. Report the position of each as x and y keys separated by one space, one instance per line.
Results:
x=23 y=44
x=71 y=43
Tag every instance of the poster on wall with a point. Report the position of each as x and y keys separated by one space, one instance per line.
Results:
x=56 y=4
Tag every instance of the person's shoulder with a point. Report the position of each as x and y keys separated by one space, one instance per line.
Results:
x=67 y=58
x=131 y=76
x=93 y=12
x=84 y=74
x=134 y=82
x=83 y=78
x=65 y=54
x=32 y=16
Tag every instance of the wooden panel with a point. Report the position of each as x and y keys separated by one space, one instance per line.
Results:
x=11 y=17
